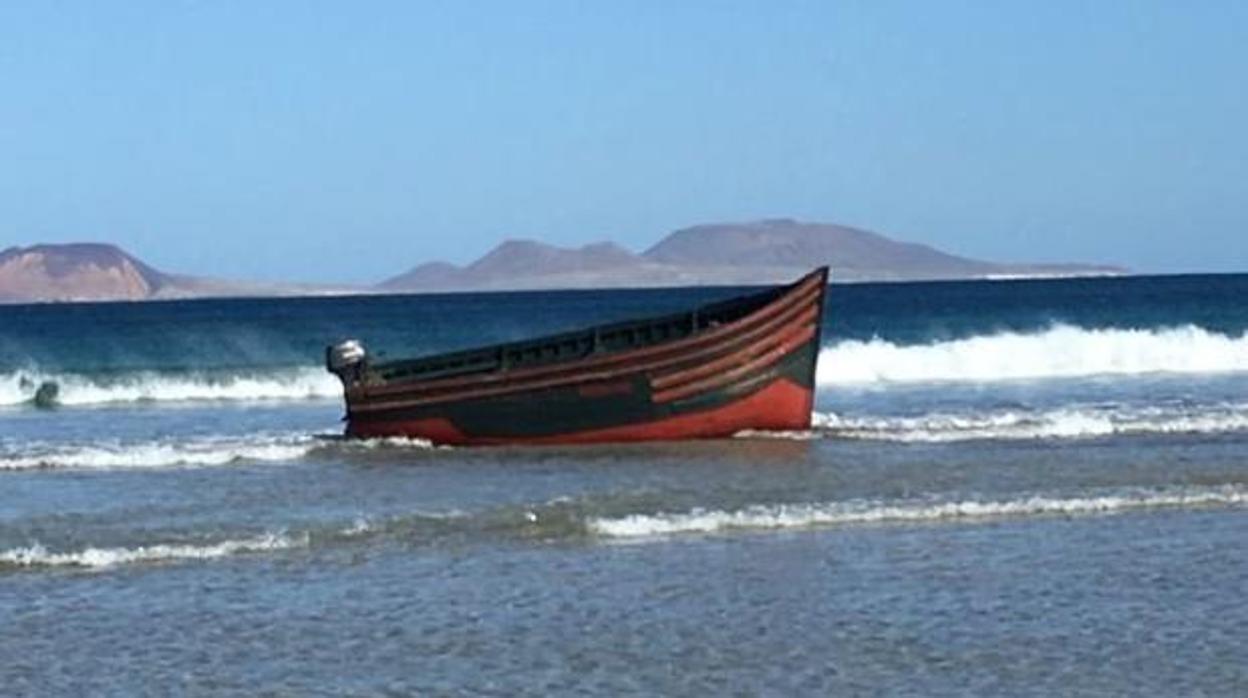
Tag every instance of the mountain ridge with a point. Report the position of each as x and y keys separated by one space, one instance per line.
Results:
x=757 y=252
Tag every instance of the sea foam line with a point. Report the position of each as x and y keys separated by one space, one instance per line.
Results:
x=1062 y=351
x=37 y=555
x=19 y=387
x=195 y=451
x=789 y=516
x=1074 y=422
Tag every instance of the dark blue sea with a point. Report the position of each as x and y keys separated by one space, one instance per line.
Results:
x=1012 y=488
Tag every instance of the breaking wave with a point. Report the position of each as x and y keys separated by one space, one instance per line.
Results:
x=791 y=516
x=193 y=451
x=1019 y=424
x=37 y=555
x=1061 y=351
x=19 y=387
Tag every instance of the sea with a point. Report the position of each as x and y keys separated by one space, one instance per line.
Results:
x=1027 y=487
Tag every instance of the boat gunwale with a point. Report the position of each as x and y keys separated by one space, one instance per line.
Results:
x=687 y=347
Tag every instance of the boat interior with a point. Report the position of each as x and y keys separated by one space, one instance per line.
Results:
x=572 y=346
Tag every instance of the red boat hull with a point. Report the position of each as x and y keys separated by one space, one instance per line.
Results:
x=747 y=363
x=781 y=406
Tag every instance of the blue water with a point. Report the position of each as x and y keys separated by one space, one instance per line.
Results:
x=1029 y=487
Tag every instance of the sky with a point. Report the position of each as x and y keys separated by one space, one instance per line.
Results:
x=349 y=141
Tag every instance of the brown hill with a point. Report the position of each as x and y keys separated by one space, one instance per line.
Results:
x=516 y=264
x=784 y=243
x=102 y=272
x=516 y=257
x=79 y=271
x=427 y=275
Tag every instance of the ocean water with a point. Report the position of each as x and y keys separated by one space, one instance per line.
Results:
x=1011 y=488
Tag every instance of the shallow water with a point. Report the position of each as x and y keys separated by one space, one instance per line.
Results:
x=948 y=527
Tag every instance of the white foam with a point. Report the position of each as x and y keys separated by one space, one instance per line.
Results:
x=1059 y=352
x=786 y=516
x=38 y=556
x=390 y=442
x=778 y=435
x=361 y=526
x=1071 y=422
x=77 y=389
x=195 y=451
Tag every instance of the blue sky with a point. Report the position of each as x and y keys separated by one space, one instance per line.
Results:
x=350 y=141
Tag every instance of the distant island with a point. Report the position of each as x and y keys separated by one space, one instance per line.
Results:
x=91 y=271
x=760 y=252
x=731 y=254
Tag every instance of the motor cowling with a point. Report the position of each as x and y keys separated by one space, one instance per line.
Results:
x=346 y=359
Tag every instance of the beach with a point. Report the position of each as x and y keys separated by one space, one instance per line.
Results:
x=1010 y=487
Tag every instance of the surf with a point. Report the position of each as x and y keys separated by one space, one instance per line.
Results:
x=36 y=555
x=23 y=386
x=169 y=452
x=865 y=512
x=197 y=451
x=1017 y=424
x=1060 y=351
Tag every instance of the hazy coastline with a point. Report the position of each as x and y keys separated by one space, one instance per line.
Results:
x=734 y=254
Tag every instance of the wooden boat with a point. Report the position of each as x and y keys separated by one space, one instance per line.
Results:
x=743 y=363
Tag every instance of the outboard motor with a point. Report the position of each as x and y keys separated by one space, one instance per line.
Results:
x=346 y=360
